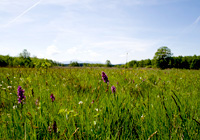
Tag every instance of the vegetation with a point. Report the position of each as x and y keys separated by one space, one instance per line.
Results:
x=74 y=103
x=162 y=59
x=24 y=60
x=74 y=64
x=108 y=63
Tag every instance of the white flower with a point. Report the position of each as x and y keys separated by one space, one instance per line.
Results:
x=10 y=93
x=95 y=122
x=97 y=109
x=80 y=102
x=0 y=85
x=14 y=106
x=9 y=87
x=142 y=117
x=66 y=116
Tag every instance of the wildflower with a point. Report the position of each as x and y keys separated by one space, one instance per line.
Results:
x=105 y=77
x=52 y=97
x=133 y=81
x=142 y=117
x=49 y=129
x=54 y=127
x=113 y=89
x=20 y=94
x=14 y=107
x=92 y=102
x=81 y=102
x=37 y=102
x=66 y=116
x=9 y=87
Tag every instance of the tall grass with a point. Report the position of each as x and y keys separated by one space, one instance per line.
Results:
x=148 y=104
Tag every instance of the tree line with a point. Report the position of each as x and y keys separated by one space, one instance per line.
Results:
x=162 y=59
x=24 y=60
x=180 y=62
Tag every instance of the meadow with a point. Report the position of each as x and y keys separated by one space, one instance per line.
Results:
x=76 y=103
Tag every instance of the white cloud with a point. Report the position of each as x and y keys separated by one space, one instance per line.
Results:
x=52 y=50
x=79 y=51
x=126 y=44
x=72 y=50
x=122 y=55
x=91 y=53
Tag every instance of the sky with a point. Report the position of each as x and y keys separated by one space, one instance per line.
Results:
x=99 y=30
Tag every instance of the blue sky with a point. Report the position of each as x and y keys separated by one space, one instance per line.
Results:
x=99 y=30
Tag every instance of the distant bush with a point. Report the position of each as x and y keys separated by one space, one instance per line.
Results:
x=74 y=64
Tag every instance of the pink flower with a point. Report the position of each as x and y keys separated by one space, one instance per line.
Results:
x=105 y=77
x=113 y=89
x=20 y=94
x=52 y=97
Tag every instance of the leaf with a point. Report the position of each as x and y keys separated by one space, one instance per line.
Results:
x=62 y=111
x=96 y=115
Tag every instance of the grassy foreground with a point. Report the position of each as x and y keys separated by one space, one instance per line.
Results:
x=147 y=104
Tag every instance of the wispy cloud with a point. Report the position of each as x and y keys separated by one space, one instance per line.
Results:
x=196 y=21
x=190 y=28
x=52 y=50
x=72 y=50
x=77 y=51
x=23 y=13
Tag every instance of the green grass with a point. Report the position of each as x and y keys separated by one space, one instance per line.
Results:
x=158 y=104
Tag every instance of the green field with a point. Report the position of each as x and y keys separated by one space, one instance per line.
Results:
x=147 y=104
